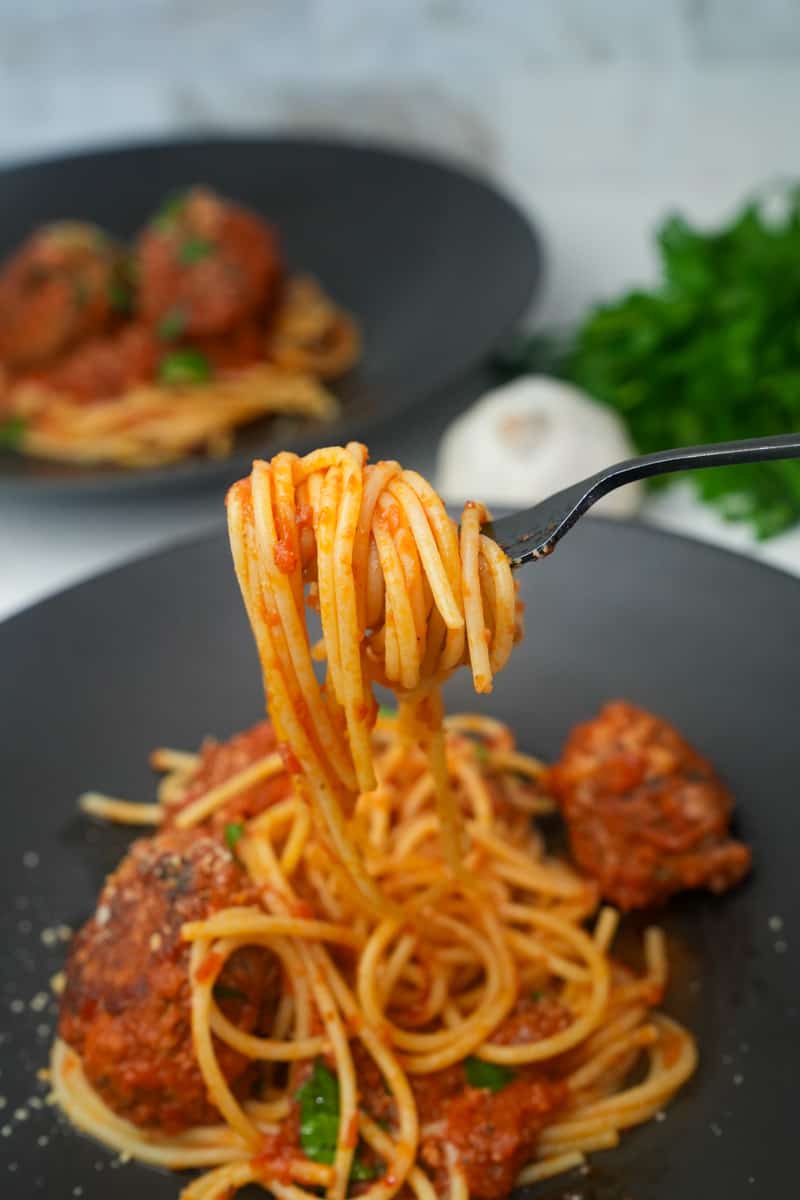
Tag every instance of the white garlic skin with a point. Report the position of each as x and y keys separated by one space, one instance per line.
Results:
x=530 y=438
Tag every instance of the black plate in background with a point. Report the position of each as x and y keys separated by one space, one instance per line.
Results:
x=159 y=652
x=434 y=263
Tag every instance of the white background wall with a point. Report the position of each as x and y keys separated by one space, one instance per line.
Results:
x=599 y=114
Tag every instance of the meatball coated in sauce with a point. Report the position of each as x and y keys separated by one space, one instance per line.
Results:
x=532 y=1019
x=206 y=265
x=56 y=290
x=219 y=761
x=494 y=1134
x=126 y=1003
x=105 y=367
x=647 y=815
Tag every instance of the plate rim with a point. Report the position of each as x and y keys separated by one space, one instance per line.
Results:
x=207 y=551
x=193 y=472
x=218 y=529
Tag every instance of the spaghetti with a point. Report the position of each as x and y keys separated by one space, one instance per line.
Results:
x=141 y=360
x=401 y=603
x=437 y=976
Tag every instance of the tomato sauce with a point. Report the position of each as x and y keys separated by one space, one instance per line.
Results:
x=219 y=761
x=647 y=815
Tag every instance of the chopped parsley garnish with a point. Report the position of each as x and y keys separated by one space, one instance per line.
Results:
x=362 y=1171
x=537 y=995
x=172 y=324
x=491 y=1076
x=710 y=353
x=184 y=366
x=12 y=432
x=80 y=293
x=120 y=296
x=233 y=831
x=481 y=752
x=170 y=211
x=193 y=249
x=319 y=1114
x=223 y=991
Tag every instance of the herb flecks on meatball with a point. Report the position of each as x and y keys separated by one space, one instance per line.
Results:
x=204 y=266
x=126 y=1004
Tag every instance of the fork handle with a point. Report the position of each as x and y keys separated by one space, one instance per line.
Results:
x=692 y=458
x=533 y=533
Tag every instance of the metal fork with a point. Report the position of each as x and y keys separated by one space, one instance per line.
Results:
x=534 y=532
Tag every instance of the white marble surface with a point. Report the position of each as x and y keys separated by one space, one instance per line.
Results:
x=598 y=115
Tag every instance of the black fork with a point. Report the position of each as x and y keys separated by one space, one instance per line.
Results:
x=534 y=532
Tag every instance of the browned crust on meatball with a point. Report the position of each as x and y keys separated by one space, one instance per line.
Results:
x=207 y=263
x=219 y=762
x=647 y=815
x=56 y=290
x=126 y=1004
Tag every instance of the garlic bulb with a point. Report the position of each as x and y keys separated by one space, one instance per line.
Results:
x=530 y=438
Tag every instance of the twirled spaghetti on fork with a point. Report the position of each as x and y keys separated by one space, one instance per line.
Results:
x=370 y=973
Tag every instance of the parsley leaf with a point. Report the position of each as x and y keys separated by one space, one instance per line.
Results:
x=492 y=1076
x=167 y=216
x=81 y=294
x=223 y=991
x=12 y=432
x=319 y=1114
x=233 y=831
x=362 y=1171
x=120 y=296
x=183 y=367
x=711 y=353
x=172 y=324
x=193 y=249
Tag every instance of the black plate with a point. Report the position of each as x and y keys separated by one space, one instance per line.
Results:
x=434 y=263
x=159 y=652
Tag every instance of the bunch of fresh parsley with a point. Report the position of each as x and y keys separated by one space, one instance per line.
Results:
x=712 y=353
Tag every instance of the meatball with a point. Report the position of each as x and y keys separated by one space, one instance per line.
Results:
x=647 y=815
x=495 y=1133
x=533 y=1018
x=237 y=347
x=105 y=367
x=204 y=265
x=126 y=1004
x=61 y=286
x=221 y=760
